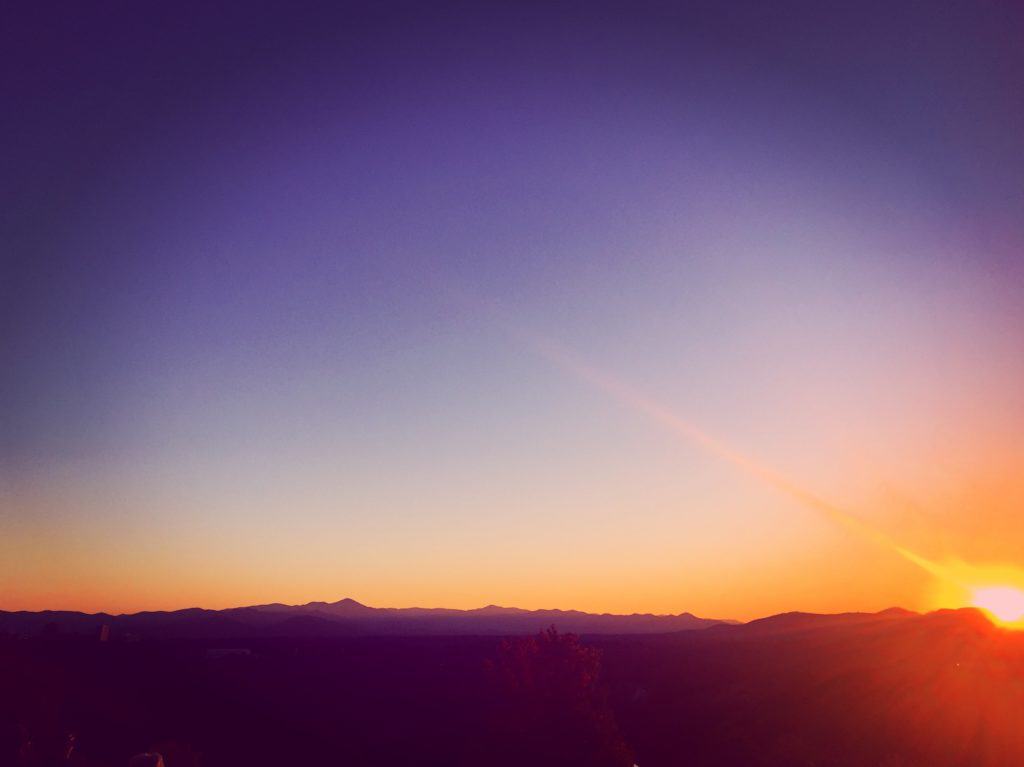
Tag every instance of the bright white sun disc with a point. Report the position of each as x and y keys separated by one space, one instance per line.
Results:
x=1005 y=603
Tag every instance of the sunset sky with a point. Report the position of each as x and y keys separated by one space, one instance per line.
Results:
x=301 y=305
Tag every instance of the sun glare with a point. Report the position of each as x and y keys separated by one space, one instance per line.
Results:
x=1004 y=603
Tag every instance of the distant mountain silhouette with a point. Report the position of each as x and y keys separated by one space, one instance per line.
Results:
x=346 y=617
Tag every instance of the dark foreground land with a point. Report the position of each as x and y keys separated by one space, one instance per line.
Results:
x=893 y=689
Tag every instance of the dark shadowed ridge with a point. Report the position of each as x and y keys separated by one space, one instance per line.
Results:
x=940 y=689
x=346 y=617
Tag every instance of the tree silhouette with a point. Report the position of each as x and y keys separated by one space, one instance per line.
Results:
x=551 y=707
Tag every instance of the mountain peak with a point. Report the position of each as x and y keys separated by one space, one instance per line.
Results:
x=348 y=602
x=341 y=604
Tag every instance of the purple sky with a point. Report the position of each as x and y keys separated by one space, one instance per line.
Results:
x=253 y=260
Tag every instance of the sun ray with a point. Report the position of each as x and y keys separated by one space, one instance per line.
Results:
x=958 y=583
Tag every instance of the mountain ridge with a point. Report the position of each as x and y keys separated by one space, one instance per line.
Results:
x=343 y=617
x=348 y=617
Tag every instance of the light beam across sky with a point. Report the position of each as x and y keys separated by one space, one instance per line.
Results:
x=959 y=584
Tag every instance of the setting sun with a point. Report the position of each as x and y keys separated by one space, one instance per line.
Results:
x=1004 y=603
